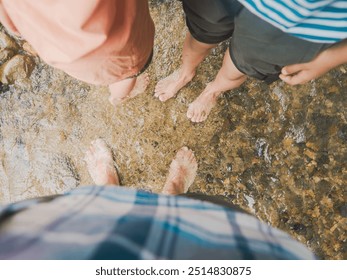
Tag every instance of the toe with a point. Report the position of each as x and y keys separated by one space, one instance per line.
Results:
x=158 y=91
x=194 y=117
x=164 y=97
x=88 y=157
x=98 y=142
x=187 y=151
x=188 y=155
x=181 y=153
x=199 y=118
x=190 y=112
x=100 y=145
x=191 y=156
x=159 y=85
x=146 y=79
x=92 y=147
x=202 y=116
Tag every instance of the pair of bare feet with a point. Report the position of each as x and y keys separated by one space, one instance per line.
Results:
x=181 y=175
x=200 y=108
x=166 y=88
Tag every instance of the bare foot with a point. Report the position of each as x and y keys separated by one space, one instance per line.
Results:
x=201 y=107
x=182 y=172
x=124 y=90
x=169 y=86
x=100 y=164
x=141 y=85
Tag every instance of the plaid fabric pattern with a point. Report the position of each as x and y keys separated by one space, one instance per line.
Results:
x=121 y=223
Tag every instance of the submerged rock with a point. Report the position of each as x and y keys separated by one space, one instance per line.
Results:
x=29 y=49
x=6 y=42
x=6 y=54
x=8 y=47
x=16 y=69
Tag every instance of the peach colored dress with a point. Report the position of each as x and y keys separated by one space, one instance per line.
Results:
x=97 y=41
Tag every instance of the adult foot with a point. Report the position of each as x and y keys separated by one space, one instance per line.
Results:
x=169 y=86
x=182 y=172
x=201 y=107
x=100 y=164
x=120 y=93
x=141 y=85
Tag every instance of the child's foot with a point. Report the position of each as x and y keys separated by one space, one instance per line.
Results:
x=182 y=172
x=169 y=86
x=201 y=107
x=100 y=164
x=119 y=93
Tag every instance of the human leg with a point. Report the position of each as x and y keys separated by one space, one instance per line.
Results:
x=228 y=77
x=259 y=52
x=100 y=164
x=182 y=173
x=208 y=25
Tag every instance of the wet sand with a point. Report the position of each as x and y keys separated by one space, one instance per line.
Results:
x=279 y=152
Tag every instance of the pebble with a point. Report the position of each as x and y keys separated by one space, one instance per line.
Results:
x=6 y=42
x=5 y=55
x=8 y=47
x=229 y=167
x=3 y=87
x=298 y=228
x=209 y=178
x=310 y=154
x=29 y=49
x=16 y=69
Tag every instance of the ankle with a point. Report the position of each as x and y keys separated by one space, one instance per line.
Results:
x=211 y=91
x=174 y=187
x=115 y=101
x=111 y=178
x=186 y=75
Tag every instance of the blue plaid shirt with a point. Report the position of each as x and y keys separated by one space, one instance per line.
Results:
x=121 y=223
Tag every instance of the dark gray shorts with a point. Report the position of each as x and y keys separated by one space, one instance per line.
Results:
x=257 y=48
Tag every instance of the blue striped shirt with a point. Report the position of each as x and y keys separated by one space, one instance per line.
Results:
x=323 y=21
x=121 y=223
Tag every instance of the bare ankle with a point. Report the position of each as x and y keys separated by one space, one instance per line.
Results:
x=112 y=180
x=211 y=91
x=186 y=75
x=174 y=187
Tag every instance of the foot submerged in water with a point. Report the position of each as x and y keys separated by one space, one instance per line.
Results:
x=182 y=172
x=169 y=86
x=119 y=91
x=100 y=164
x=201 y=107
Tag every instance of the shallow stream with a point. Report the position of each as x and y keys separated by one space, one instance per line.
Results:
x=277 y=151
